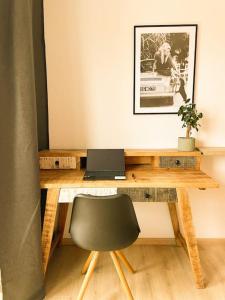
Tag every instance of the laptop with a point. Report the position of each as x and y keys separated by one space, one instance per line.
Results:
x=105 y=164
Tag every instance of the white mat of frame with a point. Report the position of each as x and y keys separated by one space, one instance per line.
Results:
x=68 y=194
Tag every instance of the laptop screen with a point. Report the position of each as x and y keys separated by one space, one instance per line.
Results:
x=105 y=160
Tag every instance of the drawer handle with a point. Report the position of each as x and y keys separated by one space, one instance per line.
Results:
x=148 y=196
x=177 y=162
x=57 y=164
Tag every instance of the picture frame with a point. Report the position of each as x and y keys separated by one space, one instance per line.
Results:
x=164 y=67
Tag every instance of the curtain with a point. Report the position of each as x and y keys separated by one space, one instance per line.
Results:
x=23 y=125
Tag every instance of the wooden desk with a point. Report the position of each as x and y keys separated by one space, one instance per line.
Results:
x=136 y=177
x=149 y=172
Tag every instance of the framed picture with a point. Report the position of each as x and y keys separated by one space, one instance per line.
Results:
x=164 y=67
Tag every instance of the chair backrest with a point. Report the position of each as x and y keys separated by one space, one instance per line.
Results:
x=103 y=223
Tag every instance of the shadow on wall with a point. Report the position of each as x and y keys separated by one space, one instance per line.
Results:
x=208 y=212
x=214 y=166
x=208 y=206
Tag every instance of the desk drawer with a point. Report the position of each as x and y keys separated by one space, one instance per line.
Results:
x=178 y=162
x=150 y=194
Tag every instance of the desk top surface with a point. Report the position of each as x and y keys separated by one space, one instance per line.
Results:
x=136 y=177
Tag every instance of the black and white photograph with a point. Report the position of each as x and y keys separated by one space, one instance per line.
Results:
x=164 y=67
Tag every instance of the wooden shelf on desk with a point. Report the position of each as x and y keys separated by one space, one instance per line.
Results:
x=128 y=152
x=136 y=178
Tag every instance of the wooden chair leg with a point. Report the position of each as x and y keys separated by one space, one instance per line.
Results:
x=87 y=263
x=121 y=275
x=88 y=275
x=125 y=261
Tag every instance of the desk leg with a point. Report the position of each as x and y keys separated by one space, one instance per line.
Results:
x=189 y=233
x=175 y=222
x=63 y=208
x=49 y=222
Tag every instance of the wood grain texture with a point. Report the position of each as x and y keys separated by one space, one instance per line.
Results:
x=164 y=273
x=175 y=222
x=146 y=174
x=87 y=263
x=139 y=241
x=183 y=242
x=63 y=209
x=189 y=233
x=128 y=152
x=121 y=276
x=118 y=253
x=89 y=267
x=150 y=194
x=57 y=162
x=88 y=275
x=48 y=225
x=136 y=177
x=141 y=160
x=124 y=260
x=54 y=244
x=198 y=160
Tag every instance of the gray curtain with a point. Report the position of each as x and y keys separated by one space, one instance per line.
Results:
x=23 y=119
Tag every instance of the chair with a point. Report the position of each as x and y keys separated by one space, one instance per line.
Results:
x=104 y=223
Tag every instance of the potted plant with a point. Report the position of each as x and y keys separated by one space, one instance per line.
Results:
x=190 y=118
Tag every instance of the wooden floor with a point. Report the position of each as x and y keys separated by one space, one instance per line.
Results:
x=163 y=273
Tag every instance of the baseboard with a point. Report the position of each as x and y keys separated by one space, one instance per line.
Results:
x=161 y=241
x=155 y=241
x=214 y=241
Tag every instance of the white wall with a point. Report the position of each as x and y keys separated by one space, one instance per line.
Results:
x=89 y=48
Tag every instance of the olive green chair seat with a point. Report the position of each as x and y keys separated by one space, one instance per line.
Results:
x=104 y=223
